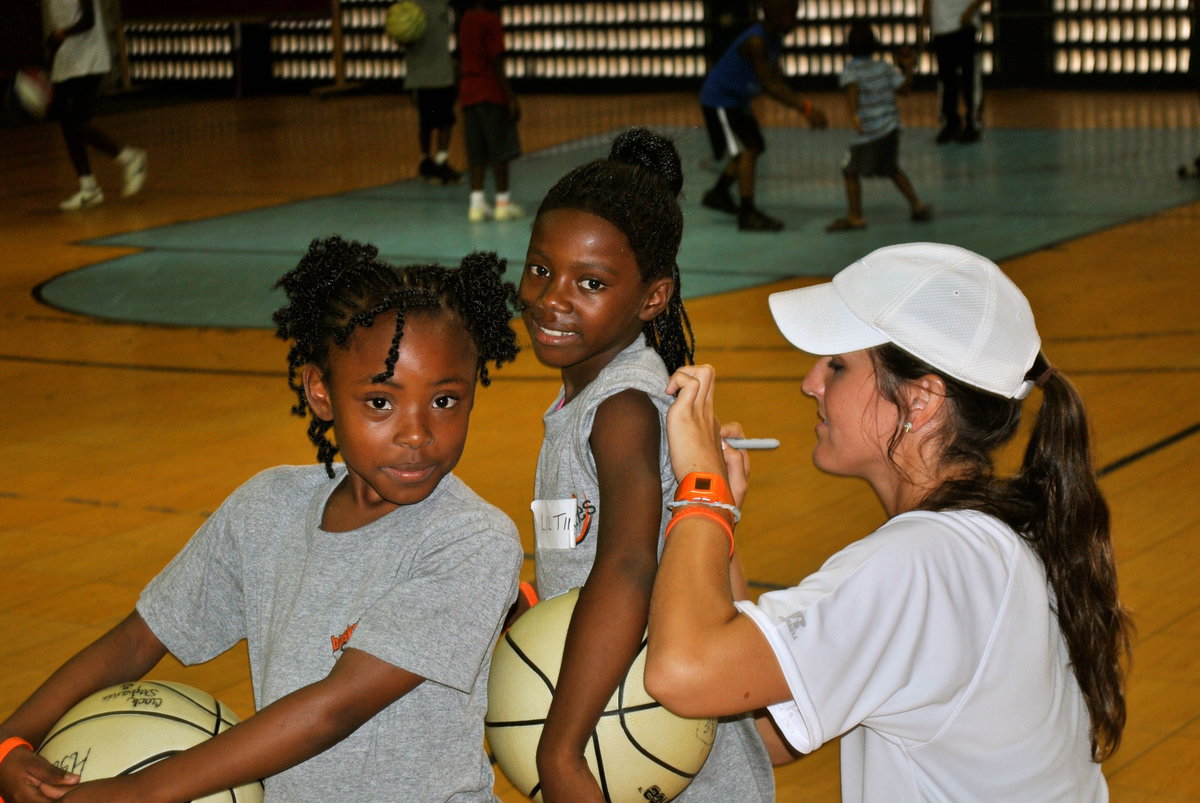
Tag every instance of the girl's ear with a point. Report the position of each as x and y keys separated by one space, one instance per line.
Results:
x=316 y=391
x=925 y=399
x=657 y=296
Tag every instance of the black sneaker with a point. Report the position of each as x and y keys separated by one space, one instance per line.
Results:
x=428 y=169
x=949 y=133
x=720 y=201
x=446 y=174
x=757 y=220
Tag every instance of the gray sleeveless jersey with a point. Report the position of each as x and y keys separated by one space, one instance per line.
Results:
x=738 y=769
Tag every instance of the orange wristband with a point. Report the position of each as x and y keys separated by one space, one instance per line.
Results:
x=9 y=744
x=708 y=513
x=527 y=591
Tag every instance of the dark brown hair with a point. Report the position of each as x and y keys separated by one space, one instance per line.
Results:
x=1054 y=502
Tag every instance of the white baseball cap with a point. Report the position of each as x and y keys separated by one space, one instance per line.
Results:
x=945 y=305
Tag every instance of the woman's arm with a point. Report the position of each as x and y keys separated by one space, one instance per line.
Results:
x=610 y=617
x=285 y=733
x=126 y=652
x=704 y=658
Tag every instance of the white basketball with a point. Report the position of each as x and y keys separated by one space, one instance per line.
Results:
x=34 y=91
x=124 y=728
x=639 y=751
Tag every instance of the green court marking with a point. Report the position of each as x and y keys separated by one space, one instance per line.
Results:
x=1011 y=193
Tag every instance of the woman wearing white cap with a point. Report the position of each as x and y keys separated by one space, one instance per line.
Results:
x=972 y=647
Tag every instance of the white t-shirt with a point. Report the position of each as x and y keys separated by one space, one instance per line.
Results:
x=931 y=644
x=82 y=53
x=945 y=16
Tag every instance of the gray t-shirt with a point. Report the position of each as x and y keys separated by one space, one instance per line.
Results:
x=738 y=769
x=427 y=62
x=424 y=588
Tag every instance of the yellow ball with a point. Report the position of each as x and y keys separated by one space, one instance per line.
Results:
x=125 y=728
x=639 y=751
x=405 y=22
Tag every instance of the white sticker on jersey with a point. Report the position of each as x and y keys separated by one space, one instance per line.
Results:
x=555 y=523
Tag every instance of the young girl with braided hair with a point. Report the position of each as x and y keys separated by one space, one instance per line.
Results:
x=601 y=300
x=370 y=591
x=973 y=647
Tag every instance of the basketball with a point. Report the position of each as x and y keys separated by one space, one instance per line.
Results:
x=405 y=22
x=124 y=728
x=34 y=91
x=639 y=751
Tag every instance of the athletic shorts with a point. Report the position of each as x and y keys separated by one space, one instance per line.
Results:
x=75 y=99
x=879 y=157
x=490 y=134
x=733 y=130
x=435 y=106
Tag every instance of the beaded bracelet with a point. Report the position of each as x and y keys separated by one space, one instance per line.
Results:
x=695 y=510
x=737 y=514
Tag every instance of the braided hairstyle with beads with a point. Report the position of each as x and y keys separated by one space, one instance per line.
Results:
x=637 y=189
x=340 y=285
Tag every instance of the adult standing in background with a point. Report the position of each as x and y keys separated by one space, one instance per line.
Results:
x=77 y=46
x=953 y=26
x=429 y=75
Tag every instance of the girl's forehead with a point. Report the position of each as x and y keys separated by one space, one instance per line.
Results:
x=578 y=231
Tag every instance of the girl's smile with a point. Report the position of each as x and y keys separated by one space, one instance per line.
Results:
x=583 y=296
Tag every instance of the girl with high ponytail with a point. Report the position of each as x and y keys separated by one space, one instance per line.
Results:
x=601 y=300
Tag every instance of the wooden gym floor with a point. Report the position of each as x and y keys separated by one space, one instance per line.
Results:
x=122 y=437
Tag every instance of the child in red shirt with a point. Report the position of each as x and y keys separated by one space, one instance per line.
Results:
x=490 y=110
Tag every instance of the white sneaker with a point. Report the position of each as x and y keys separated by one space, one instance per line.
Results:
x=508 y=211
x=84 y=199
x=479 y=214
x=135 y=173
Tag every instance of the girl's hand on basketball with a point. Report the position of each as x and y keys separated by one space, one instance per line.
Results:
x=26 y=777
x=693 y=432
x=107 y=790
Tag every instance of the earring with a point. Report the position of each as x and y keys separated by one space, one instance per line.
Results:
x=908 y=426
